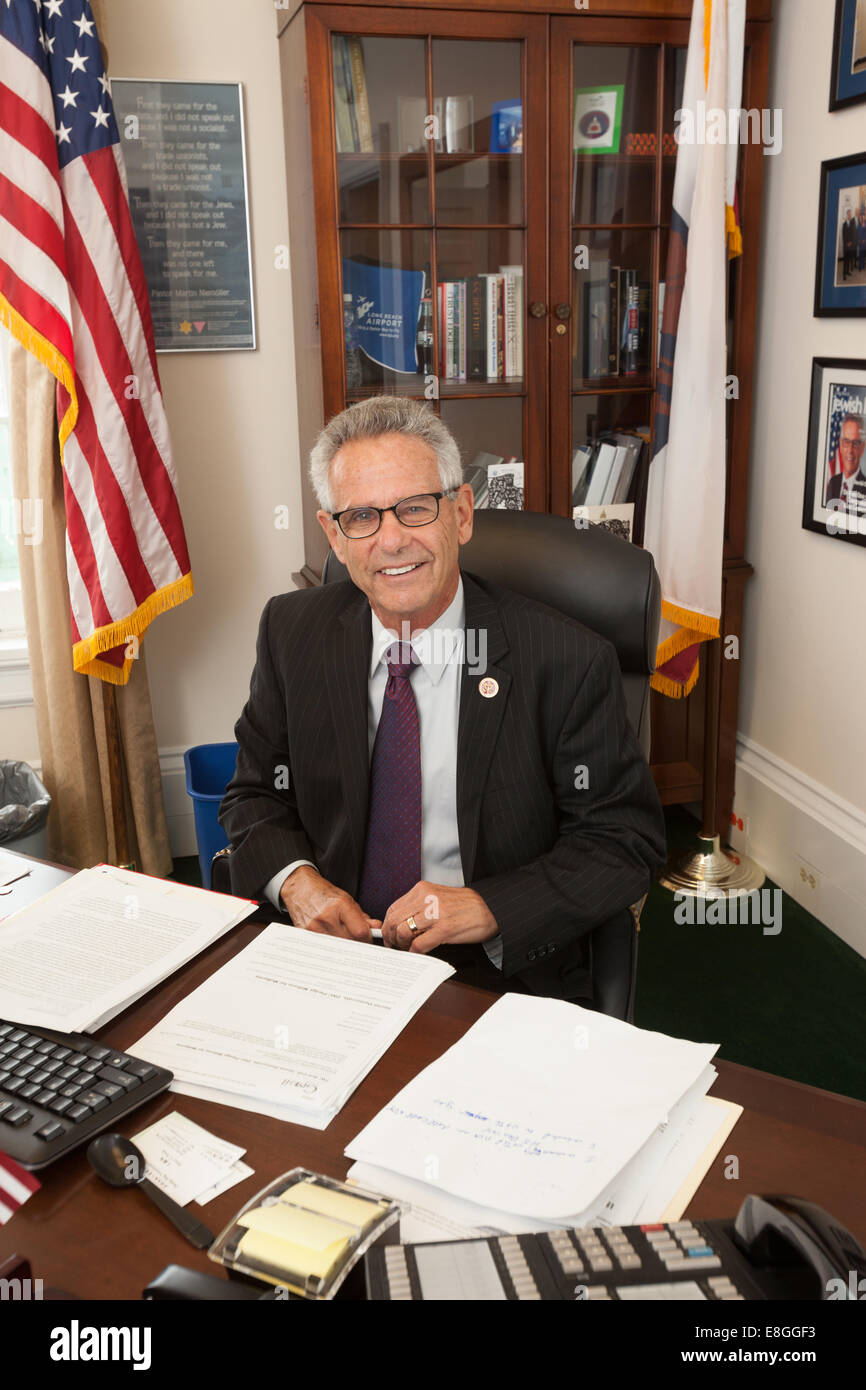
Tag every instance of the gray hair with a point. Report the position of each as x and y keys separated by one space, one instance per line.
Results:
x=376 y=416
x=851 y=418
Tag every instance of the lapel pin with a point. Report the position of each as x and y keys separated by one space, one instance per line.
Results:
x=488 y=687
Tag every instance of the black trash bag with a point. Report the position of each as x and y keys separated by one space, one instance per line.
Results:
x=24 y=801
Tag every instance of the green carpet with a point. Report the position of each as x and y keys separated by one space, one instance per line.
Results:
x=791 y=1004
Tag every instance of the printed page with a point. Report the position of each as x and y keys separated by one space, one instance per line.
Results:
x=100 y=940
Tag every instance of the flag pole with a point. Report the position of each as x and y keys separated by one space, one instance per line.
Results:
x=115 y=775
x=707 y=870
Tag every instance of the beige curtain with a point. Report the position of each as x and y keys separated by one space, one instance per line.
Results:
x=95 y=793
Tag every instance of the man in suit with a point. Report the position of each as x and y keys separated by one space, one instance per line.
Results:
x=849 y=244
x=849 y=482
x=428 y=759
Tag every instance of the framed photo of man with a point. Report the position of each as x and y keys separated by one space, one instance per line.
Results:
x=840 y=273
x=848 y=78
x=834 y=500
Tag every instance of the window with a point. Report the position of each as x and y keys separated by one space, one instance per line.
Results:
x=15 y=518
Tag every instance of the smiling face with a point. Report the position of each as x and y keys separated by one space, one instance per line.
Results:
x=379 y=472
x=851 y=447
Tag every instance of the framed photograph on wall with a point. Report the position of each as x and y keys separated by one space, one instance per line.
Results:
x=840 y=271
x=834 y=499
x=848 y=78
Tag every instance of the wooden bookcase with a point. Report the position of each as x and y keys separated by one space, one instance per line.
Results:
x=411 y=203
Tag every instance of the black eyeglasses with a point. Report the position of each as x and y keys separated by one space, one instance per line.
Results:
x=359 y=522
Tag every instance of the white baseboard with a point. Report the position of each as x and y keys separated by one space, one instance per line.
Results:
x=798 y=827
x=178 y=806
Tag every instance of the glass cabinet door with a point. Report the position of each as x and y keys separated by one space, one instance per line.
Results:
x=613 y=132
x=434 y=235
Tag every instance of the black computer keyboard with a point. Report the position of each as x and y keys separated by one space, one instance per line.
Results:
x=59 y=1089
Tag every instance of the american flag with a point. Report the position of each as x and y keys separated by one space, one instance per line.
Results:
x=15 y=1184
x=72 y=290
x=840 y=403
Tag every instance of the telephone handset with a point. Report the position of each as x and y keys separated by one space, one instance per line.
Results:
x=787 y=1233
x=778 y=1248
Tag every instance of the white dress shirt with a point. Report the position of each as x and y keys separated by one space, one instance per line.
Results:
x=436 y=685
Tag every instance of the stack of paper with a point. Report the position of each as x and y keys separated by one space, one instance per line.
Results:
x=544 y=1114
x=189 y=1163
x=292 y=1024
x=103 y=938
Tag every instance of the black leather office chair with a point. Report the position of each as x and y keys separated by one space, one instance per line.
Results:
x=611 y=587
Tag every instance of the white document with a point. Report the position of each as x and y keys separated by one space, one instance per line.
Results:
x=696 y=1145
x=238 y=1172
x=294 y=1021
x=182 y=1159
x=536 y=1110
x=101 y=939
x=440 y=1216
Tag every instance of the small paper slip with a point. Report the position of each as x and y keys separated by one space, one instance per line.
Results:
x=238 y=1172
x=184 y=1160
x=92 y=946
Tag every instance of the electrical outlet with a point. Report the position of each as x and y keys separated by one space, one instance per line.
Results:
x=808 y=880
x=738 y=837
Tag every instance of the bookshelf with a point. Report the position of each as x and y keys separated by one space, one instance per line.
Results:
x=460 y=232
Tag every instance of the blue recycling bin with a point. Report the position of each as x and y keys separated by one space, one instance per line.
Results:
x=209 y=769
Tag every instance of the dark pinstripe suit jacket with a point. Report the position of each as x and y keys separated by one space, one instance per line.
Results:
x=559 y=821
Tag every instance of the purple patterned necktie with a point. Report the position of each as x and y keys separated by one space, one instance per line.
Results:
x=392 y=858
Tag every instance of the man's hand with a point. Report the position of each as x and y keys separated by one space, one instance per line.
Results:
x=314 y=904
x=441 y=915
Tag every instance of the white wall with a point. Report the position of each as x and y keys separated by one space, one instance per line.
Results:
x=233 y=415
x=802 y=771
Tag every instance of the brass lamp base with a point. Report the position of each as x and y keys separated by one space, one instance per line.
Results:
x=710 y=871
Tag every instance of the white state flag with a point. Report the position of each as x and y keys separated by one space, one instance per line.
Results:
x=686 y=491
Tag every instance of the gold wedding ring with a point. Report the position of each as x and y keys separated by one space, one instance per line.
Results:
x=412 y=925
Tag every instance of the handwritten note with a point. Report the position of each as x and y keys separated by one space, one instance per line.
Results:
x=536 y=1110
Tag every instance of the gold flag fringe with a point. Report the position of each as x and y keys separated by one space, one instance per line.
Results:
x=733 y=235
x=85 y=654
x=46 y=353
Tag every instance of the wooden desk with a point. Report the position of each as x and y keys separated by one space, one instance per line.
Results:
x=97 y=1242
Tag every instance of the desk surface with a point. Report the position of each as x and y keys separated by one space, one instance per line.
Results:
x=97 y=1242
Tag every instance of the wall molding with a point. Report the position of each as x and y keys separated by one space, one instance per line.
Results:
x=178 y=806
x=795 y=821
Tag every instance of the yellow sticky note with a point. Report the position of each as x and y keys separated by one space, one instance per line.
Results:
x=307 y=1229
x=284 y=1257
x=356 y=1211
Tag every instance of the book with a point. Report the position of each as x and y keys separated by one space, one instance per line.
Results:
x=359 y=86
x=476 y=476
x=580 y=465
x=387 y=305
x=460 y=329
x=459 y=124
x=476 y=328
x=506 y=127
x=346 y=134
x=619 y=520
x=644 y=311
x=513 y=320
x=632 y=323
x=505 y=483
x=661 y=315
x=597 y=326
x=613 y=356
x=604 y=462
x=610 y=487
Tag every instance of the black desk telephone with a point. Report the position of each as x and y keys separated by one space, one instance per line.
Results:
x=778 y=1248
